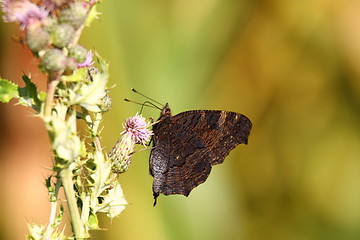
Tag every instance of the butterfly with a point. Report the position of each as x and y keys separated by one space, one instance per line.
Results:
x=187 y=145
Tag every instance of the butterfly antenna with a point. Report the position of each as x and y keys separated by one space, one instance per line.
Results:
x=135 y=91
x=146 y=103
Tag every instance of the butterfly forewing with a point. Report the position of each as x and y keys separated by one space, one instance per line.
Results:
x=220 y=131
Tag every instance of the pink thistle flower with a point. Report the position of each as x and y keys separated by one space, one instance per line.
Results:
x=136 y=132
x=88 y=61
x=138 y=128
x=22 y=11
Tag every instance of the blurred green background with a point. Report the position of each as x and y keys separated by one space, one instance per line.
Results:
x=292 y=67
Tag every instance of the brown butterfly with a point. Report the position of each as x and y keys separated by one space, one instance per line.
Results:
x=187 y=145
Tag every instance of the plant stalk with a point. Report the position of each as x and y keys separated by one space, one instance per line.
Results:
x=53 y=81
x=76 y=223
x=53 y=202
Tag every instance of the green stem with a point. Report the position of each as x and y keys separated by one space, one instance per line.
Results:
x=52 y=83
x=97 y=121
x=53 y=201
x=76 y=223
x=94 y=129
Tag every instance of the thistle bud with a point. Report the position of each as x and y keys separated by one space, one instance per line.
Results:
x=62 y=35
x=71 y=64
x=36 y=37
x=121 y=153
x=75 y=15
x=54 y=60
x=78 y=53
x=92 y=71
x=50 y=23
x=106 y=103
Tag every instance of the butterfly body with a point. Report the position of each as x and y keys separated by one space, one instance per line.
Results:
x=186 y=145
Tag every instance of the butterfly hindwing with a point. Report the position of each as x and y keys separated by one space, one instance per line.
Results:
x=179 y=160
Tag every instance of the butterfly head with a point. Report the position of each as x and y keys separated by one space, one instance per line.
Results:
x=166 y=111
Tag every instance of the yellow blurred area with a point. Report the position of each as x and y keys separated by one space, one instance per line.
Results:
x=292 y=67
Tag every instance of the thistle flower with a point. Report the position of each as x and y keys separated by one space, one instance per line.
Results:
x=136 y=132
x=22 y=11
x=137 y=128
x=88 y=61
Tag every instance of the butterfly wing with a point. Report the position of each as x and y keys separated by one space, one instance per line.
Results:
x=179 y=160
x=220 y=131
x=186 y=145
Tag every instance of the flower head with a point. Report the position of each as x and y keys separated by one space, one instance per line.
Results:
x=136 y=132
x=88 y=62
x=22 y=11
x=138 y=128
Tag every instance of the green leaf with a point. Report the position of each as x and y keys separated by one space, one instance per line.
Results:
x=30 y=90
x=103 y=64
x=42 y=96
x=66 y=143
x=100 y=175
x=59 y=217
x=77 y=76
x=93 y=14
x=8 y=90
x=93 y=221
x=29 y=95
x=36 y=232
x=114 y=202
x=90 y=94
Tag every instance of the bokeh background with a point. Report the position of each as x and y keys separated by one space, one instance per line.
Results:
x=292 y=67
